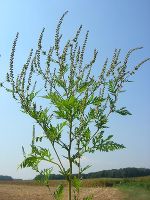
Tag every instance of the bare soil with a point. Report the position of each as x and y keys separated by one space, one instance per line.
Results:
x=31 y=192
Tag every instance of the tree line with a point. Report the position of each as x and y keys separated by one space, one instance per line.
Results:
x=5 y=178
x=113 y=173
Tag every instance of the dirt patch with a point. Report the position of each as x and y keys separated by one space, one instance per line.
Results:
x=25 y=192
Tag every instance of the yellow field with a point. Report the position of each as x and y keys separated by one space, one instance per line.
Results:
x=16 y=191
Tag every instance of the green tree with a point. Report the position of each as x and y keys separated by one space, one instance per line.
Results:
x=79 y=103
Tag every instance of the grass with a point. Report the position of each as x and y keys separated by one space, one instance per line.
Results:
x=136 y=188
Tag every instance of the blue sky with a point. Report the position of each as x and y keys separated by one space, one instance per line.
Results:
x=112 y=24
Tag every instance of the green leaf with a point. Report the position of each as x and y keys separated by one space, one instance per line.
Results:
x=110 y=146
x=44 y=176
x=102 y=144
x=76 y=182
x=72 y=100
x=61 y=126
x=83 y=86
x=45 y=97
x=97 y=101
x=123 y=111
x=91 y=114
x=86 y=135
x=88 y=197
x=54 y=98
x=31 y=161
x=85 y=168
x=61 y=114
x=52 y=133
x=90 y=100
x=109 y=137
x=112 y=103
x=61 y=83
x=39 y=138
x=58 y=194
x=9 y=90
x=112 y=87
x=24 y=154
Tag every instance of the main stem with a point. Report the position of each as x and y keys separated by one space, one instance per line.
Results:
x=69 y=189
x=69 y=157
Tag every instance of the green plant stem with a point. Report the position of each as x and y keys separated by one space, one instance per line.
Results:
x=79 y=171
x=79 y=168
x=69 y=157
x=63 y=169
x=69 y=189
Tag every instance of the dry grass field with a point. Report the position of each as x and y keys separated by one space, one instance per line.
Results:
x=14 y=191
x=100 y=189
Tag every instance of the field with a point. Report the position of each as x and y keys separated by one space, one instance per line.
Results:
x=136 y=189
x=31 y=192
x=100 y=189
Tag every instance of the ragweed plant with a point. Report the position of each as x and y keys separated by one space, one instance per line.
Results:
x=80 y=103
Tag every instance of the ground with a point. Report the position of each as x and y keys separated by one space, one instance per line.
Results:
x=32 y=192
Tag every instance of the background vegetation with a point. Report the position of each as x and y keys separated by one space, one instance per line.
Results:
x=113 y=173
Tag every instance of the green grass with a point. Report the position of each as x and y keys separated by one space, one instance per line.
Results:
x=136 y=189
